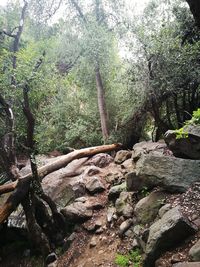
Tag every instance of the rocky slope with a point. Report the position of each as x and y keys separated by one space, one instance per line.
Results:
x=143 y=204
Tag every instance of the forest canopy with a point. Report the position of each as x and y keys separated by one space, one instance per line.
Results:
x=99 y=72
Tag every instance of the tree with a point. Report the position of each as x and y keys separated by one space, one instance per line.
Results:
x=195 y=9
x=97 y=39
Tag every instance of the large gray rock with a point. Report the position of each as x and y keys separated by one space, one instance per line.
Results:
x=147 y=208
x=166 y=233
x=147 y=147
x=187 y=146
x=77 y=212
x=122 y=155
x=174 y=174
x=195 y=252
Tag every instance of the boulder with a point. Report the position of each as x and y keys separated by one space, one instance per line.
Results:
x=147 y=208
x=166 y=233
x=123 y=206
x=100 y=160
x=187 y=146
x=147 y=147
x=122 y=155
x=115 y=191
x=114 y=178
x=128 y=165
x=92 y=170
x=68 y=194
x=195 y=252
x=91 y=203
x=77 y=212
x=94 y=185
x=173 y=174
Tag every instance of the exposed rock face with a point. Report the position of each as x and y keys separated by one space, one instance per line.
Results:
x=122 y=155
x=186 y=147
x=195 y=252
x=166 y=233
x=147 y=147
x=77 y=212
x=147 y=208
x=173 y=174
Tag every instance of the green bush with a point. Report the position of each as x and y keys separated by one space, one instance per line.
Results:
x=122 y=260
x=133 y=257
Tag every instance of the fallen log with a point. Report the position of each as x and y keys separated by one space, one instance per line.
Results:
x=6 y=188
x=21 y=187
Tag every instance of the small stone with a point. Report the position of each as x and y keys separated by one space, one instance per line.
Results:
x=51 y=258
x=99 y=231
x=115 y=191
x=129 y=233
x=81 y=199
x=125 y=226
x=176 y=258
x=111 y=211
x=135 y=244
x=122 y=155
x=93 y=242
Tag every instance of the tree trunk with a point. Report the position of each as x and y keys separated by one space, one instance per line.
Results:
x=195 y=9
x=102 y=104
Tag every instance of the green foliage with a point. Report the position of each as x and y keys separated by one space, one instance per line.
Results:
x=195 y=120
x=181 y=133
x=122 y=260
x=144 y=191
x=133 y=257
x=195 y=117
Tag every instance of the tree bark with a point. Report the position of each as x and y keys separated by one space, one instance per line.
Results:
x=195 y=9
x=102 y=104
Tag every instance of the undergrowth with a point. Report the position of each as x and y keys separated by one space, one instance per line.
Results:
x=133 y=258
